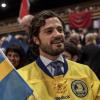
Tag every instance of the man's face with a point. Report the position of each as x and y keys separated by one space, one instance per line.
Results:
x=51 y=37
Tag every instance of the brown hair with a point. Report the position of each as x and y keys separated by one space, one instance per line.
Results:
x=39 y=20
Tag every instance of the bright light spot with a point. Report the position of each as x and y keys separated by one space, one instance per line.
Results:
x=3 y=5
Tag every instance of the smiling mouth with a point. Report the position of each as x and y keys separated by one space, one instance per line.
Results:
x=57 y=41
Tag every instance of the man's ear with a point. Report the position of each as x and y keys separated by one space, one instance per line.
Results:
x=36 y=40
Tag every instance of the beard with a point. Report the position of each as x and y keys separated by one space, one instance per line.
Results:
x=55 y=48
x=51 y=51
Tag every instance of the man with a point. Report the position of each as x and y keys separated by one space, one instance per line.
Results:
x=73 y=82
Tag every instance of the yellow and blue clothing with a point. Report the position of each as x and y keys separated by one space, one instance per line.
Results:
x=78 y=82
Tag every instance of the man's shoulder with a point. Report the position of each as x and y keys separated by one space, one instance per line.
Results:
x=78 y=66
x=28 y=66
x=27 y=70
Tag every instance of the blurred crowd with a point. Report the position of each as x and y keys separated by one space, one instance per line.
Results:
x=84 y=47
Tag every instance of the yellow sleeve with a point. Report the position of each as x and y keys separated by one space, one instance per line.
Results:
x=95 y=86
x=96 y=90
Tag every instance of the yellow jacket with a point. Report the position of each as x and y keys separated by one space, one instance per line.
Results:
x=78 y=83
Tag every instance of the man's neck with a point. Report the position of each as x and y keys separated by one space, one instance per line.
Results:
x=49 y=56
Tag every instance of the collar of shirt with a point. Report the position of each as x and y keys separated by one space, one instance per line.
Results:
x=47 y=61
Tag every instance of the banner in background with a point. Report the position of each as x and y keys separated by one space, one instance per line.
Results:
x=81 y=19
x=24 y=8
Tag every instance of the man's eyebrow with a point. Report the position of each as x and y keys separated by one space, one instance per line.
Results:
x=47 y=28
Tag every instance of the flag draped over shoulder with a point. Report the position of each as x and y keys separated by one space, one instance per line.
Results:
x=12 y=86
x=24 y=8
x=82 y=19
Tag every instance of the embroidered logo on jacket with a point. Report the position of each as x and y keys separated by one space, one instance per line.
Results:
x=79 y=88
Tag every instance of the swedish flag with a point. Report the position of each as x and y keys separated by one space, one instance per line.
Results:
x=12 y=86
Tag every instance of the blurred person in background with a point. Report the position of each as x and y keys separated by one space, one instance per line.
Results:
x=22 y=37
x=32 y=52
x=75 y=39
x=97 y=37
x=82 y=32
x=71 y=52
x=2 y=39
x=16 y=55
x=90 y=54
x=25 y=22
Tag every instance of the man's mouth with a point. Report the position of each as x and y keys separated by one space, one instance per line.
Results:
x=57 y=41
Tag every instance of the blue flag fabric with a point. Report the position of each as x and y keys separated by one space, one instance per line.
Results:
x=12 y=86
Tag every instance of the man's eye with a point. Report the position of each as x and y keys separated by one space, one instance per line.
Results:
x=60 y=30
x=49 y=31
